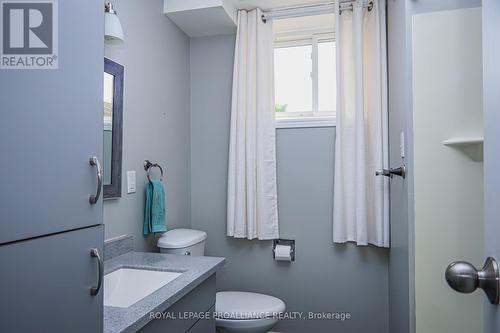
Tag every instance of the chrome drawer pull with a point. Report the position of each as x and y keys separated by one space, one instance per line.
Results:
x=94 y=253
x=95 y=162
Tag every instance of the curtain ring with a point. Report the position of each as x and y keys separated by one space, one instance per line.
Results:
x=370 y=6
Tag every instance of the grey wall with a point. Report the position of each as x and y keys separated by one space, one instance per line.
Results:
x=325 y=277
x=400 y=260
x=155 y=113
x=491 y=82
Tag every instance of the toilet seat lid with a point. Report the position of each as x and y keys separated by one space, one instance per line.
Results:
x=180 y=238
x=236 y=305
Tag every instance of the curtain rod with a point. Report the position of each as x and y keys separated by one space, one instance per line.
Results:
x=317 y=9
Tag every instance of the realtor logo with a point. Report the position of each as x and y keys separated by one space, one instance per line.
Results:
x=29 y=35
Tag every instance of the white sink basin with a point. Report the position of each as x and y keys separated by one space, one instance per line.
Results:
x=125 y=286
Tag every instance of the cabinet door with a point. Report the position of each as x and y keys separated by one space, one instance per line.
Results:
x=45 y=284
x=50 y=124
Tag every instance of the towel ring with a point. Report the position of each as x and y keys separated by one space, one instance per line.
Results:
x=148 y=165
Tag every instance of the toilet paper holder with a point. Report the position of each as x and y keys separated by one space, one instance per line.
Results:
x=289 y=242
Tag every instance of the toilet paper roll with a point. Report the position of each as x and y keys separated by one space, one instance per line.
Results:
x=283 y=252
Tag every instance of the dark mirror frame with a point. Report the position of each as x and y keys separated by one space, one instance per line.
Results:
x=114 y=190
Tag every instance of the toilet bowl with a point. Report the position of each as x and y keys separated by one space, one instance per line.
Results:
x=245 y=312
x=236 y=311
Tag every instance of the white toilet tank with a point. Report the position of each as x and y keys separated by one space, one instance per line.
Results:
x=183 y=241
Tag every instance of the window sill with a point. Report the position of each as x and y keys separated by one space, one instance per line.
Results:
x=306 y=122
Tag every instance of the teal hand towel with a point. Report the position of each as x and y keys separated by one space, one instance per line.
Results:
x=154 y=213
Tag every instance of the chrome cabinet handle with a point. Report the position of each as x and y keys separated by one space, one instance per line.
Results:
x=401 y=172
x=95 y=162
x=465 y=278
x=94 y=253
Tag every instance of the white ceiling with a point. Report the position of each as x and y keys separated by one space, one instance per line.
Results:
x=273 y=4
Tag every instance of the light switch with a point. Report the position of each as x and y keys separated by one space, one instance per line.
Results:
x=130 y=181
x=402 y=144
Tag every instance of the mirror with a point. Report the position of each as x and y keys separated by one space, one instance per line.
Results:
x=113 y=128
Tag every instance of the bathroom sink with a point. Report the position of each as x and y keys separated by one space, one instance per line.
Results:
x=126 y=286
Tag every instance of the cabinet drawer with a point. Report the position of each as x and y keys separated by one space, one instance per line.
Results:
x=199 y=300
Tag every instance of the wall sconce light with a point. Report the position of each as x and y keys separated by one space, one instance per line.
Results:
x=113 y=31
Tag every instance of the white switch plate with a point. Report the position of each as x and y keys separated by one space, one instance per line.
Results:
x=130 y=181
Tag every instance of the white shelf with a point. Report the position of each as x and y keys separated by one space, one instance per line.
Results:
x=464 y=141
x=471 y=146
x=200 y=18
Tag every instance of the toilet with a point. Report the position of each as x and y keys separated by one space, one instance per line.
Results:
x=236 y=311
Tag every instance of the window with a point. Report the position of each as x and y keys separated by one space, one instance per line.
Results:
x=305 y=80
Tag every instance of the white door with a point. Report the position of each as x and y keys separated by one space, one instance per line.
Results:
x=456 y=109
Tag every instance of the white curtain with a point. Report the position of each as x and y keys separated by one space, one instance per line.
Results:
x=252 y=208
x=361 y=200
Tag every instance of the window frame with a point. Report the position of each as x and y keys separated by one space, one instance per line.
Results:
x=313 y=118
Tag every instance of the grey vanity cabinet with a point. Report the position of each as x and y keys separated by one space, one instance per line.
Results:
x=186 y=314
x=46 y=281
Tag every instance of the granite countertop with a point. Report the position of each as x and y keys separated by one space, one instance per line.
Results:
x=195 y=271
